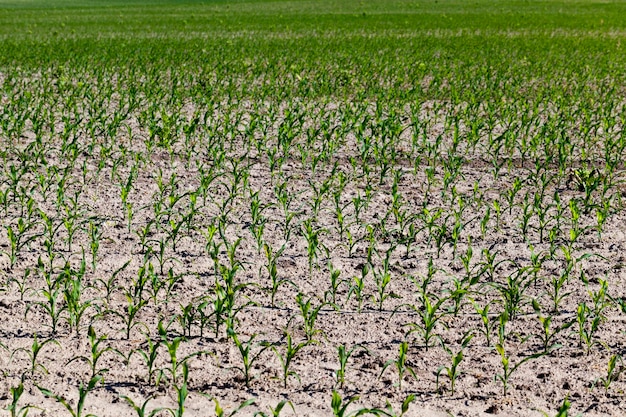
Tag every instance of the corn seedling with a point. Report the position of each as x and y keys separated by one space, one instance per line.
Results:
x=248 y=358
x=548 y=333
x=400 y=364
x=340 y=406
x=83 y=391
x=96 y=353
x=275 y=411
x=142 y=411
x=308 y=314
x=612 y=374
x=272 y=261
x=290 y=351
x=344 y=354
x=33 y=354
x=219 y=411
x=389 y=411
x=13 y=408
x=453 y=371
x=358 y=287
x=182 y=392
x=172 y=346
x=509 y=369
x=430 y=314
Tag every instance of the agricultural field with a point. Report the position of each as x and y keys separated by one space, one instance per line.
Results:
x=312 y=208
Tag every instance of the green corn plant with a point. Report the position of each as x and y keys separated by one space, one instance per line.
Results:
x=221 y=307
x=226 y=291
x=22 y=283
x=188 y=317
x=172 y=280
x=182 y=392
x=612 y=374
x=248 y=358
x=95 y=234
x=172 y=346
x=149 y=352
x=511 y=193
x=458 y=292
x=19 y=238
x=359 y=204
x=453 y=371
x=575 y=228
x=72 y=224
x=484 y=222
x=219 y=411
x=330 y=295
x=488 y=266
x=389 y=411
x=587 y=181
x=563 y=410
x=340 y=406
x=308 y=314
x=318 y=195
x=257 y=226
x=277 y=281
x=152 y=281
x=175 y=229
x=258 y=230
x=498 y=210
x=503 y=320
x=96 y=353
x=556 y=293
x=357 y=288
x=275 y=411
x=339 y=214
x=286 y=358
x=203 y=313
x=76 y=308
x=430 y=221
x=49 y=235
x=344 y=354
x=409 y=237
x=13 y=408
x=548 y=334
x=603 y=212
x=144 y=233
x=142 y=411
x=33 y=354
x=429 y=314
x=314 y=246
x=83 y=391
x=52 y=294
x=125 y=189
x=352 y=242
x=160 y=253
x=588 y=324
x=509 y=369
x=601 y=298
x=134 y=304
x=400 y=364
x=382 y=278
x=110 y=285
x=284 y=197
x=513 y=290
x=527 y=213
x=595 y=315
x=487 y=325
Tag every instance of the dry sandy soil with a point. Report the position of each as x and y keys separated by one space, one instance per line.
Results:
x=539 y=384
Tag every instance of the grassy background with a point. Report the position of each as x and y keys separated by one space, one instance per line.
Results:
x=340 y=47
x=38 y=17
